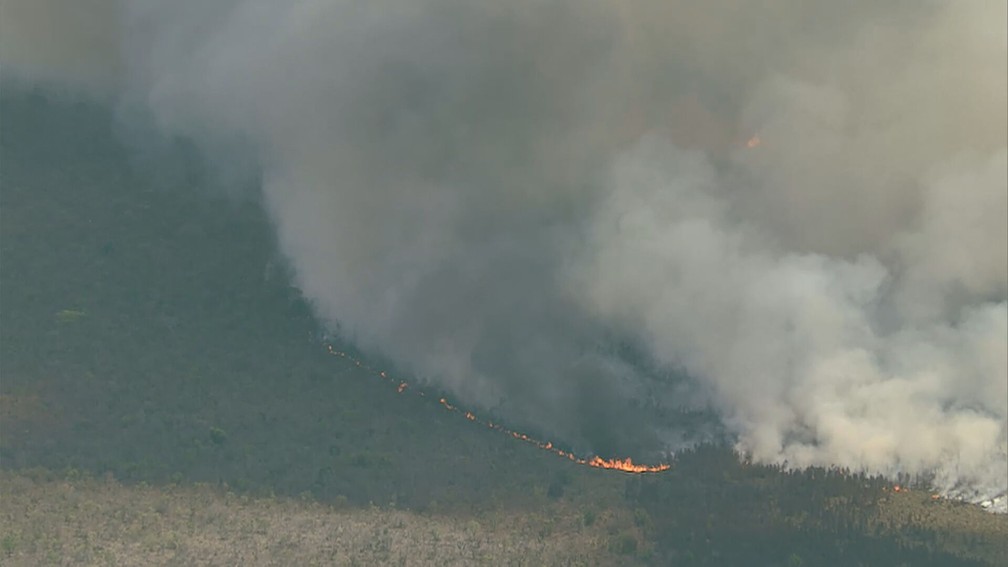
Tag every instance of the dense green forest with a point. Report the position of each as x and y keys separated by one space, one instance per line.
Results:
x=150 y=333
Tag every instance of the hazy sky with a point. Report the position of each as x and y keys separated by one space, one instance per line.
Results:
x=501 y=196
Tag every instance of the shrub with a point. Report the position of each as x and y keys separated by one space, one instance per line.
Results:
x=217 y=436
x=624 y=544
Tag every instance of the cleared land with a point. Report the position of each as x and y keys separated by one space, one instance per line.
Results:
x=86 y=521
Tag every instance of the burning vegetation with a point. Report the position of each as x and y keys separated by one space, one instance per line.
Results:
x=625 y=465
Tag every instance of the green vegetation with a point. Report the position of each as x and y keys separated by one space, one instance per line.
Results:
x=712 y=505
x=165 y=396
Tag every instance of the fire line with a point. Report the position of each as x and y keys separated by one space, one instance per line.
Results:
x=625 y=465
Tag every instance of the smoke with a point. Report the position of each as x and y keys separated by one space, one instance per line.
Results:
x=61 y=45
x=549 y=208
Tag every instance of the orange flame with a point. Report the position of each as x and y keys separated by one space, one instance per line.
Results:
x=625 y=465
x=753 y=142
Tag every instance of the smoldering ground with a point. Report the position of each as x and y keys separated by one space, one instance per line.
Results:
x=497 y=196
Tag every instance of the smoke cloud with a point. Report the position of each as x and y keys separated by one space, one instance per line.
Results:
x=550 y=209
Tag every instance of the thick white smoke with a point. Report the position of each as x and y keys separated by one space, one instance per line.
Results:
x=494 y=194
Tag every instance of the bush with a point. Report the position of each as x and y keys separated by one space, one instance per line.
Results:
x=8 y=545
x=217 y=436
x=624 y=544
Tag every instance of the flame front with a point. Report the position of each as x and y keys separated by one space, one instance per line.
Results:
x=753 y=142
x=625 y=465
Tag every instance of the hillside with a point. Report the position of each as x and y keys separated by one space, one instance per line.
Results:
x=162 y=383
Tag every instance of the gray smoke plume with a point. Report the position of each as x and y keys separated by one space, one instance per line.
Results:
x=795 y=214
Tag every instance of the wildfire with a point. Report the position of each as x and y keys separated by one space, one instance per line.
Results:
x=753 y=142
x=625 y=465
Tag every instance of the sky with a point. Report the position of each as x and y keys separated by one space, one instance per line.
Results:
x=593 y=218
